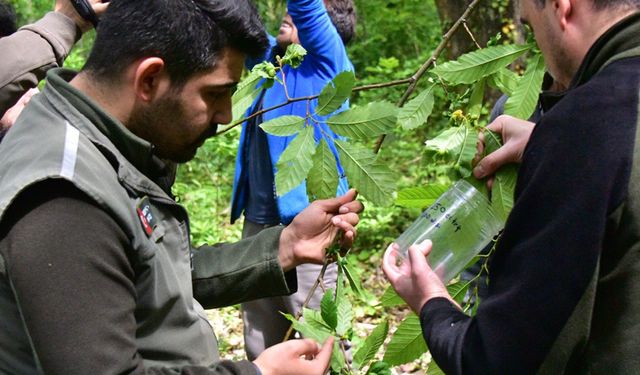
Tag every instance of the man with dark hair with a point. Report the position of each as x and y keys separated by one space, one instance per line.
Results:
x=322 y=28
x=7 y=19
x=97 y=275
x=34 y=49
x=564 y=281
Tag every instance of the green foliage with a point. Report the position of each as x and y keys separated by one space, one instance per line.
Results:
x=295 y=162
x=481 y=63
x=294 y=55
x=283 y=125
x=420 y=197
x=335 y=93
x=524 y=99
x=373 y=179
x=329 y=309
x=417 y=111
x=371 y=345
x=458 y=146
x=322 y=181
x=365 y=122
x=407 y=343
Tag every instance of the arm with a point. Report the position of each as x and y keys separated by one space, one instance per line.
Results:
x=227 y=274
x=574 y=175
x=34 y=49
x=318 y=35
x=85 y=281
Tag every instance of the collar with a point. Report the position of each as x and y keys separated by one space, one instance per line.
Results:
x=620 y=41
x=136 y=150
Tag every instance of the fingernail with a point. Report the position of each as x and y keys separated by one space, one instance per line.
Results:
x=343 y=210
x=478 y=171
x=336 y=220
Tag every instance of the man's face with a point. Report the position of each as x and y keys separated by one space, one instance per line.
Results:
x=288 y=33
x=178 y=122
x=549 y=37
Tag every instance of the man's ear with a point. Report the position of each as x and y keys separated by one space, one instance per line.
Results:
x=563 y=10
x=150 y=78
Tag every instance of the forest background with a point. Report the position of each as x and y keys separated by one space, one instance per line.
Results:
x=394 y=38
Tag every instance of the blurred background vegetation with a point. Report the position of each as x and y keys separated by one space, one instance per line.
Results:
x=394 y=37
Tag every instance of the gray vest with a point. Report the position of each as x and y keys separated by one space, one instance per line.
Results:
x=172 y=329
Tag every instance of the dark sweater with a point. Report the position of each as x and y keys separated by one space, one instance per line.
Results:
x=565 y=278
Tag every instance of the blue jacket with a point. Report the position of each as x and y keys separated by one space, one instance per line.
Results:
x=326 y=57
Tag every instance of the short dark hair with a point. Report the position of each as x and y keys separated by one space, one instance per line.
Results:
x=343 y=16
x=8 y=24
x=604 y=4
x=187 y=34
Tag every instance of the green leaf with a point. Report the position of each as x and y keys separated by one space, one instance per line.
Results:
x=391 y=299
x=458 y=290
x=373 y=179
x=420 y=197
x=247 y=92
x=294 y=55
x=354 y=282
x=345 y=313
x=503 y=189
x=371 y=345
x=433 y=369
x=417 y=111
x=464 y=160
x=481 y=63
x=322 y=181
x=335 y=93
x=459 y=145
x=283 y=126
x=319 y=336
x=504 y=80
x=365 y=122
x=295 y=162
x=524 y=100
x=314 y=319
x=379 y=368
x=407 y=343
x=329 y=310
x=308 y=331
x=492 y=141
x=477 y=98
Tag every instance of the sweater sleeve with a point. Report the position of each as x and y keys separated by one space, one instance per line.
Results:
x=318 y=35
x=30 y=52
x=74 y=284
x=253 y=261
x=574 y=177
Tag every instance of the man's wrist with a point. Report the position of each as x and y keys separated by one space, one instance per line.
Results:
x=286 y=253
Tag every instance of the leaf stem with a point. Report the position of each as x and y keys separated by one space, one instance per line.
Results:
x=434 y=56
x=327 y=260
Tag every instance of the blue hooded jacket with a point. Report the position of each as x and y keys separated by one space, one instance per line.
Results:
x=326 y=57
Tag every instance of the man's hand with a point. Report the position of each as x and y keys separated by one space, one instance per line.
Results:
x=11 y=115
x=515 y=135
x=65 y=7
x=316 y=227
x=296 y=357
x=413 y=279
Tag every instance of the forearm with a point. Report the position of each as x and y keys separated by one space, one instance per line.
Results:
x=227 y=274
x=30 y=52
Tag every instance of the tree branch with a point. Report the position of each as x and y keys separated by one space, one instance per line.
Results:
x=423 y=69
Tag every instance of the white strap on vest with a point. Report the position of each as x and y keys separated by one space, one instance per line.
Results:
x=71 y=140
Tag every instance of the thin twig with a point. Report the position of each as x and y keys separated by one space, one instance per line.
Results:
x=346 y=360
x=312 y=97
x=327 y=260
x=473 y=38
x=423 y=69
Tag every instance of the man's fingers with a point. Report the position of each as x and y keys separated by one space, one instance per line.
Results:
x=490 y=163
x=354 y=206
x=304 y=347
x=333 y=204
x=324 y=356
x=417 y=257
x=389 y=263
